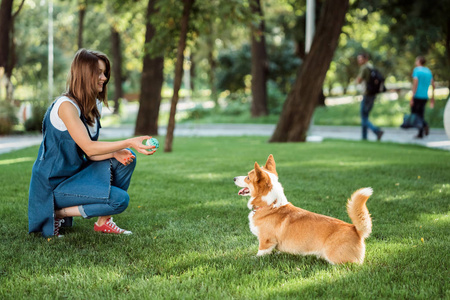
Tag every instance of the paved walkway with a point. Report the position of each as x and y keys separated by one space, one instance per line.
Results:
x=437 y=138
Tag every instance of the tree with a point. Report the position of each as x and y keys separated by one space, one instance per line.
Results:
x=82 y=5
x=116 y=67
x=420 y=27
x=6 y=25
x=151 y=81
x=5 y=31
x=8 y=57
x=178 y=73
x=259 y=64
x=302 y=99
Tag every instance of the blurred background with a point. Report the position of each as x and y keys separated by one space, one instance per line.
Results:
x=228 y=45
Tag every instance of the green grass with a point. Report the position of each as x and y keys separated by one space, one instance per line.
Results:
x=386 y=113
x=191 y=238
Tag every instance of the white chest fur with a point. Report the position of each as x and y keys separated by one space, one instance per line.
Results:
x=253 y=228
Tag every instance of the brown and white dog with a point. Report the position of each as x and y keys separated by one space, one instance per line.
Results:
x=278 y=223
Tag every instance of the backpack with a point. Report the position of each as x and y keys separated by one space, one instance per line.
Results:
x=375 y=84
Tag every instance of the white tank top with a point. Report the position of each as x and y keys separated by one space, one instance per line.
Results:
x=59 y=124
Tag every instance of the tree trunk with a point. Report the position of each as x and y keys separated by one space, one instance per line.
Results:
x=178 y=73
x=5 y=30
x=81 y=14
x=117 y=68
x=259 y=65
x=300 y=104
x=212 y=71
x=151 y=83
x=6 y=23
x=12 y=59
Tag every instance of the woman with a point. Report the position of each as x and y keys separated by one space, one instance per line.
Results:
x=74 y=174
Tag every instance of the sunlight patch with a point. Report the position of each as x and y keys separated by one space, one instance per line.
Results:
x=16 y=160
x=207 y=176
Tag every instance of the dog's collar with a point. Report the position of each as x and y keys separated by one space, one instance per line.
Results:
x=259 y=207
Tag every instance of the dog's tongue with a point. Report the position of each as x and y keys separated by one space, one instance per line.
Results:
x=243 y=191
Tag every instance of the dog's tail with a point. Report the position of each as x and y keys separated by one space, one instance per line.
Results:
x=358 y=212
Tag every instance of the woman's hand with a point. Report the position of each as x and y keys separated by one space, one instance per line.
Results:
x=138 y=144
x=124 y=156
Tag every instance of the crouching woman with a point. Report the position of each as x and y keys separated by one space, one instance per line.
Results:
x=74 y=173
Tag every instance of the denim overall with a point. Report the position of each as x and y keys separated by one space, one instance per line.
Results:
x=62 y=167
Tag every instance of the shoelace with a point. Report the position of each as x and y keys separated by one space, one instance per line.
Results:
x=113 y=225
x=57 y=224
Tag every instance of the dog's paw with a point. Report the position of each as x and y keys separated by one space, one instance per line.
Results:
x=263 y=252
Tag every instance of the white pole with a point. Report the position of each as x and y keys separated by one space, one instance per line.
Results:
x=50 y=50
x=309 y=35
x=310 y=23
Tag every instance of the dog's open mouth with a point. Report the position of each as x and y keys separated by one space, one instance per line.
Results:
x=244 y=192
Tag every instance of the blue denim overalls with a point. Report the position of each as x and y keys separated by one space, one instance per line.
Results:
x=60 y=160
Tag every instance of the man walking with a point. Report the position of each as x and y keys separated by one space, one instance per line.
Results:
x=422 y=79
x=368 y=98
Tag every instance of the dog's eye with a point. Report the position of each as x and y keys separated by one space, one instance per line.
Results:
x=248 y=178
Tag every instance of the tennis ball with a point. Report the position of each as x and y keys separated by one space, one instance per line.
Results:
x=152 y=142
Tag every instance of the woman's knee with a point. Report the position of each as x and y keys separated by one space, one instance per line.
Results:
x=119 y=199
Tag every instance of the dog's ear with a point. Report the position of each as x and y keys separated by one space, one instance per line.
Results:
x=270 y=165
x=258 y=172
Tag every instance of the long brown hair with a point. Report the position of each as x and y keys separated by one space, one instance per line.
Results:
x=82 y=83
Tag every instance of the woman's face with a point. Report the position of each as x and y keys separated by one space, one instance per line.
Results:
x=101 y=76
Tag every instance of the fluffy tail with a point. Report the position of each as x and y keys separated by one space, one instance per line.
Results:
x=357 y=210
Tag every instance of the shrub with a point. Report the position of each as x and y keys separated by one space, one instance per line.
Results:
x=38 y=110
x=275 y=98
x=198 y=112
x=8 y=118
x=237 y=106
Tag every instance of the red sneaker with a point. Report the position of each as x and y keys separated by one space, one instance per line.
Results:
x=110 y=227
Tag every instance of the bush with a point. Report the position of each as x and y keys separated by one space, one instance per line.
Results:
x=7 y=118
x=38 y=110
x=198 y=112
x=275 y=98
x=236 y=108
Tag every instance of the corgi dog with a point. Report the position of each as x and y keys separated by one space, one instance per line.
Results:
x=279 y=224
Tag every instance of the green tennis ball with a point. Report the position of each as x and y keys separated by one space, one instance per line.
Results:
x=152 y=142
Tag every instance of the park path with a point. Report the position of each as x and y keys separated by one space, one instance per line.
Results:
x=437 y=138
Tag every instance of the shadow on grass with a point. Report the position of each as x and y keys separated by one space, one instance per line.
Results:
x=191 y=229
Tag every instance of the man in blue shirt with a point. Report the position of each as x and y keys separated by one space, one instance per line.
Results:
x=422 y=79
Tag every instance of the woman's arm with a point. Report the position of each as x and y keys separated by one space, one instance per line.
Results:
x=69 y=115
x=123 y=156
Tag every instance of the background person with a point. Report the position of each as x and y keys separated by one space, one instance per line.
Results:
x=422 y=79
x=368 y=100
x=74 y=174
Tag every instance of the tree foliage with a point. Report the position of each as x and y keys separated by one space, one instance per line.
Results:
x=218 y=42
x=302 y=99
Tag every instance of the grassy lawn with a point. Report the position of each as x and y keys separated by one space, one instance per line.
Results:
x=191 y=237
x=385 y=113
